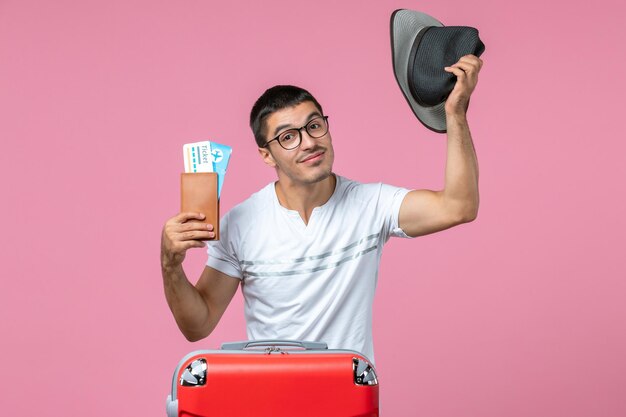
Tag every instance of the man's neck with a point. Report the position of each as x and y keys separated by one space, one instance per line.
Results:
x=305 y=197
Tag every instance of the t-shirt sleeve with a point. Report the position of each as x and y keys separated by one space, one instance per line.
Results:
x=391 y=198
x=221 y=252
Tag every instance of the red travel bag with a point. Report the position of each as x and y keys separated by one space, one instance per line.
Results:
x=274 y=378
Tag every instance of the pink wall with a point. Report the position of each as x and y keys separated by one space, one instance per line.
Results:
x=520 y=313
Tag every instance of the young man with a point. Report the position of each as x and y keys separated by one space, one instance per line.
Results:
x=306 y=248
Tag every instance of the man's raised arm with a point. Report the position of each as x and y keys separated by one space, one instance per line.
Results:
x=425 y=211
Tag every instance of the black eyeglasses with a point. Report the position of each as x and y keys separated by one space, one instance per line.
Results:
x=292 y=138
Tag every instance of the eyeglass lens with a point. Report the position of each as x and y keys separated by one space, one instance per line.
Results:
x=291 y=138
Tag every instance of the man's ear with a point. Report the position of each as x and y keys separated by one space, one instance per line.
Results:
x=267 y=157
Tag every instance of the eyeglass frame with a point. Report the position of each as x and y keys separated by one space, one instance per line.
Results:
x=299 y=129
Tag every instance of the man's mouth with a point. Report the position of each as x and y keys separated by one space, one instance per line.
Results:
x=313 y=157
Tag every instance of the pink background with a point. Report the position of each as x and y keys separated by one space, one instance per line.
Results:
x=520 y=313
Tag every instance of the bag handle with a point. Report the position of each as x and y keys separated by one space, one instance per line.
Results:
x=308 y=345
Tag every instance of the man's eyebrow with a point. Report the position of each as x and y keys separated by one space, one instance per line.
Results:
x=313 y=115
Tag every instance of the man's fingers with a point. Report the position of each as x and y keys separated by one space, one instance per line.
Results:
x=472 y=60
x=188 y=244
x=194 y=226
x=470 y=64
x=185 y=216
x=468 y=68
x=190 y=233
x=195 y=235
x=460 y=74
x=466 y=71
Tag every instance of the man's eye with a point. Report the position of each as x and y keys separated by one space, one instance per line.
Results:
x=314 y=126
x=286 y=137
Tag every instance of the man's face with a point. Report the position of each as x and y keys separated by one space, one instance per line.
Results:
x=309 y=163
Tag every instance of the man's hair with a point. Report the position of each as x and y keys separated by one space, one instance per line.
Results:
x=273 y=99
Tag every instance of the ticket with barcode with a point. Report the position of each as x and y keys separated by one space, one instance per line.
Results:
x=207 y=156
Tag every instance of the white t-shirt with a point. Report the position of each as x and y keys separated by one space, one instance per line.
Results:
x=310 y=282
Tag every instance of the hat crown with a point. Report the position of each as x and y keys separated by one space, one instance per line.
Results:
x=433 y=49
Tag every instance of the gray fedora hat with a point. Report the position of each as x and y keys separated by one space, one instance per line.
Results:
x=421 y=47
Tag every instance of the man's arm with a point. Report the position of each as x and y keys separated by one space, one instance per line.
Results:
x=425 y=211
x=196 y=309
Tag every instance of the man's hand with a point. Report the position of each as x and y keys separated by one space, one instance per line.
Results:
x=466 y=71
x=181 y=233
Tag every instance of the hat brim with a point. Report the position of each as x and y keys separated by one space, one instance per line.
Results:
x=404 y=27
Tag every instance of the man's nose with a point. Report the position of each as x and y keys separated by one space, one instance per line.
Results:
x=307 y=140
